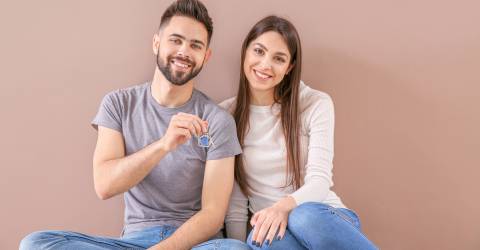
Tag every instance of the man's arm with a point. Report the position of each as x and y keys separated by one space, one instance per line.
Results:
x=115 y=173
x=217 y=187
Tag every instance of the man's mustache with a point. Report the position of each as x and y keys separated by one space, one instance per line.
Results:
x=181 y=59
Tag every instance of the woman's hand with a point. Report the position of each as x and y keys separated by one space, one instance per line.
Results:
x=270 y=221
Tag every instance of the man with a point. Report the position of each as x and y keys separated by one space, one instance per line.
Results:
x=167 y=147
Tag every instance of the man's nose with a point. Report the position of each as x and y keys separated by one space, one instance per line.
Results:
x=183 y=51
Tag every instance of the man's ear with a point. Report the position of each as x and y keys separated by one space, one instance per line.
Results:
x=155 y=43
x=208 y=53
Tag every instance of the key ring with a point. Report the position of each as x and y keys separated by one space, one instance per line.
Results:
x=205 y=140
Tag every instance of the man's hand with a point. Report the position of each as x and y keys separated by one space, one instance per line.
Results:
x=181 y=128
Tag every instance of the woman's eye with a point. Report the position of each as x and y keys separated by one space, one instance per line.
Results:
x=279 y=59
x=258 y=51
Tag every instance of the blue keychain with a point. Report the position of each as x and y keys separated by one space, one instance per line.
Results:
x=205 y=140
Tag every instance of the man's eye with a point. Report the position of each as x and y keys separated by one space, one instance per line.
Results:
x=175 y=41
x=196 y=46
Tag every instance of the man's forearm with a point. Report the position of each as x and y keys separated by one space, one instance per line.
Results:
x=201 y=227
x=116 y=176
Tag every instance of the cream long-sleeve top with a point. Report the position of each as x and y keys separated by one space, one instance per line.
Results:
x=264 y=155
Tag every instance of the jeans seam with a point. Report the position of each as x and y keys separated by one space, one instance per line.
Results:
x=341 y=215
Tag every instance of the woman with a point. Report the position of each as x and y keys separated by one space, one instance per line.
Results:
x=286 y=131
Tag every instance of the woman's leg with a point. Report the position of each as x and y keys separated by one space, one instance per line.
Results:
x=320 y=226
x=288 y=242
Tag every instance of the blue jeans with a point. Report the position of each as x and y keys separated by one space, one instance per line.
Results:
x=314 y=225
x=135 y=240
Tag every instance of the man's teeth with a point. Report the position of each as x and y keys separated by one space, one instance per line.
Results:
x=179 y=64
x=261 y=75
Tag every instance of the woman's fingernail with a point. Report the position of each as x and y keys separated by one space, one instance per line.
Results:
x=268 y=242
x=254 y=243
x=279 y=238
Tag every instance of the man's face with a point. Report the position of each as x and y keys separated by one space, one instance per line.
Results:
x=181 y=49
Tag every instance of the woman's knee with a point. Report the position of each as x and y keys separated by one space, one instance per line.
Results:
x=305 y=214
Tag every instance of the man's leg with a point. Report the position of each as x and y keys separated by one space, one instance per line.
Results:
x=71 y=240
x=222 y=244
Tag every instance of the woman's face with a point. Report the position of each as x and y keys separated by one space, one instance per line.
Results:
x=267 y=60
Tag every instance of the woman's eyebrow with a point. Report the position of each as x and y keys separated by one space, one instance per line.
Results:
x=265 y=48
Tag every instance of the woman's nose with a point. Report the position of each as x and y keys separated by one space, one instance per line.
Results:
x=265 y=64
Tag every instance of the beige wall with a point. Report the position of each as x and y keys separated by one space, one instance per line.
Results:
x=403 y=76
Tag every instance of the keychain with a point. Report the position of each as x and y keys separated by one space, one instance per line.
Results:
x=205 y=140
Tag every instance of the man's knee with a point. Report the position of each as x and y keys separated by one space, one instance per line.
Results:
x=222 y=244
x=235 y=244
x=36 y=240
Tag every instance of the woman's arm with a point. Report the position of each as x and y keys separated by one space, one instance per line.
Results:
x=318 y=177
x=237 y=215
x=319 y=119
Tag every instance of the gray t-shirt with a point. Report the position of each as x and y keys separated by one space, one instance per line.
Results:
x=171 y=193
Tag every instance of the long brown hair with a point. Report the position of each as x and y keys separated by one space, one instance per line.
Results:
x=286 y=94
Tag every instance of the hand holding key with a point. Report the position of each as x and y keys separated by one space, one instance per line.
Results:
x=181 y=128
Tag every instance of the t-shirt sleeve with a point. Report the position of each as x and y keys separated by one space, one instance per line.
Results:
x=109 y=113
x=224 y=137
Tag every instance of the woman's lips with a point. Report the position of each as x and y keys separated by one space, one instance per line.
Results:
x=261 y=75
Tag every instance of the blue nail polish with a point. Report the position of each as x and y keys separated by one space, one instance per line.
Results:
x=279 y=238
x=268 y=242
x=254 y=243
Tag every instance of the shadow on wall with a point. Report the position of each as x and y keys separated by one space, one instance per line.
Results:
x=391 y=129
x=369 y=103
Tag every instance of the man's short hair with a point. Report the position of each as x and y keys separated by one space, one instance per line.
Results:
x=189 y=8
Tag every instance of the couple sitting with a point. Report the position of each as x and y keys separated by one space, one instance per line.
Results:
x=177 y=156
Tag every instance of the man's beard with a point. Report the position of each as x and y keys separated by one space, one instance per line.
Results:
x=177 y=78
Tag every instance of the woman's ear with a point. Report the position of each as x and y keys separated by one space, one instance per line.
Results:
x=290 y=68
